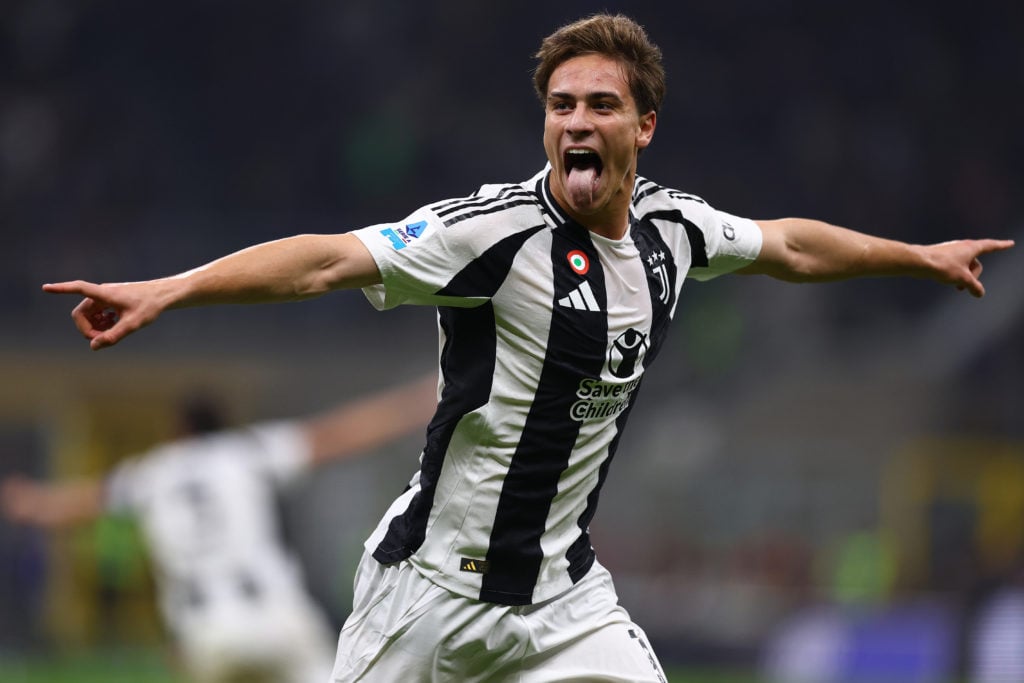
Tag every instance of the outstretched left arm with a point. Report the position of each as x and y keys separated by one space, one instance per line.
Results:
x=804 y=250
x=359 y=425
x=51 y=505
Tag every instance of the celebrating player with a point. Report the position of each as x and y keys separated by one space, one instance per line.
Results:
x=231 y=593
x=554 y=296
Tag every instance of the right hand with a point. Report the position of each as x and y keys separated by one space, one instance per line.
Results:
x=110 y=312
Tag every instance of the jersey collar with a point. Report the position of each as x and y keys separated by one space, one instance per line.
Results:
x=554 y=214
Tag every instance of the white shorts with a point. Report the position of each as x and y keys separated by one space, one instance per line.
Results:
x=405 y=628
x=279 y=641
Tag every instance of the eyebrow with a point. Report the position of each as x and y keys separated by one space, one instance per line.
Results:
x=598 y=95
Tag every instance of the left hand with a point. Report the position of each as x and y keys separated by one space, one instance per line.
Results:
x=959 y=262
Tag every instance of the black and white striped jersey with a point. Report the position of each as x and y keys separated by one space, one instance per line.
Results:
x=545 y=332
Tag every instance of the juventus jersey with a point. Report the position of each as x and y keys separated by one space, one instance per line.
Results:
x=206 y=506
x=545 y=331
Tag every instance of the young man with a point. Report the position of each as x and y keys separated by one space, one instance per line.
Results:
x=554 y=296
x=231 y=593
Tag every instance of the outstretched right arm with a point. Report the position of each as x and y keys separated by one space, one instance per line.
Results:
x=290 y=269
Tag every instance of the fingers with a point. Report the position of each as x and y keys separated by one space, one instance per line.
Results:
x=92 y=314
x=7 y=493
x=104 y=340
x=988 y=246
x=119 y=328
x=92 y=317
x=100 y=315
x=14 y=493
x=82 y=315
x=101 y=338
x=72 y=287
x=973 y=279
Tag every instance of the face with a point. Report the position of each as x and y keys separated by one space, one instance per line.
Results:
x=592 y=133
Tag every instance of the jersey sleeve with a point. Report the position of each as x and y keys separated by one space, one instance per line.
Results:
x=730 y=242
x=420 y=256
x=283 y=452
x=125 y=486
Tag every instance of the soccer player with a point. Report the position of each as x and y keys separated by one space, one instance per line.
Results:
x=996 y=641
x=554 y=296
x=231 y=592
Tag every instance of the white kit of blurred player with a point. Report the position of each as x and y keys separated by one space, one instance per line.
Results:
x=231 y=592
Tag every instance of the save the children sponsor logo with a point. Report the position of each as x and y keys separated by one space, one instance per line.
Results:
x=625 y=351
x=598 y=399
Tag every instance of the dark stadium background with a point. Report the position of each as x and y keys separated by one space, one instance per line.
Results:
x=851 y=451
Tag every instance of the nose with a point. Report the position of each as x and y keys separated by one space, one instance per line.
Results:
x=579 y=122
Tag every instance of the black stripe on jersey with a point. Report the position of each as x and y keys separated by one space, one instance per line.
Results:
x=467 y=367
x=576 y=348
x=497 y=208
x=698 y=247
x=446 y=209
x=654 y=252
x=483 y=275
x=645 y=188
x=543 y=190
x=476 y=199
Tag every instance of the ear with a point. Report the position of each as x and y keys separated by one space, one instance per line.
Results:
x=645 y=132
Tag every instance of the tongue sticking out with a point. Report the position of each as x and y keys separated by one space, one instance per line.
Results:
x=582 y=185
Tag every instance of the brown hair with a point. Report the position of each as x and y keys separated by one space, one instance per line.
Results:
x=616 y=36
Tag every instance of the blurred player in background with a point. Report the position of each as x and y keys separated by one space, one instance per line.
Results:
x=232 y=594
x=554 y=296
x=996 y=644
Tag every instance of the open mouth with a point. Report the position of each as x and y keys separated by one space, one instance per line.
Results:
x=582 y=160
x=582 y=176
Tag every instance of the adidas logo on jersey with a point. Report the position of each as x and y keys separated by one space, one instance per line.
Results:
x=580 y=299
x=467 y=564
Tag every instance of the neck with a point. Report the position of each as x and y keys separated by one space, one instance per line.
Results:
x=613 y=227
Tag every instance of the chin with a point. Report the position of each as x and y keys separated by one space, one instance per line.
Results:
x=588 y=210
